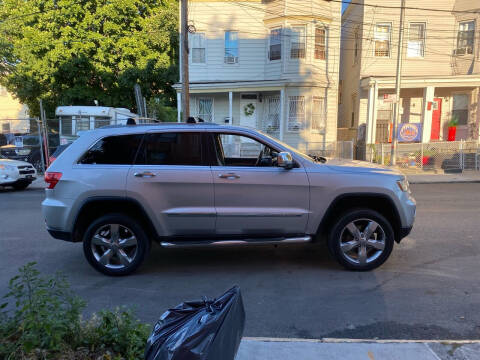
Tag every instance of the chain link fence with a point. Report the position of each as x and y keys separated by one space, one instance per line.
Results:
x=449 y=156
x=335 y=149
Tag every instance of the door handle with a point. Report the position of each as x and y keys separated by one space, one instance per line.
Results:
x=229 y=176
x=146 y=174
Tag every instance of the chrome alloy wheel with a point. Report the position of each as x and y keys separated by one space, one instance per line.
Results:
x=362 y=241
x=114 y=246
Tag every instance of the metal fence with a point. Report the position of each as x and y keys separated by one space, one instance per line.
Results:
x=447 y=155
x=336 y=149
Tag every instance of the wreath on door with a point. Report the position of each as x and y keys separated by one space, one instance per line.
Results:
x=249 y=109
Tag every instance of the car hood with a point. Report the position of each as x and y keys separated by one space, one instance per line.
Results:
x=13 y=162
x=356 y=166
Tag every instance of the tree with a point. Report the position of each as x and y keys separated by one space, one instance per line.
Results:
x=72 y=52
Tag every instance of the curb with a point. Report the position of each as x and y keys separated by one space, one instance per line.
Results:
x=369 y=341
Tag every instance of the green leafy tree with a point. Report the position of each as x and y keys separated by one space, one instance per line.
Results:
x=72 y=52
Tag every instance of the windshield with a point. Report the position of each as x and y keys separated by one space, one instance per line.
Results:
x=292 y=149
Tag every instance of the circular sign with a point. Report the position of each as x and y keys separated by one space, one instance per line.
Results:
x=408 y=132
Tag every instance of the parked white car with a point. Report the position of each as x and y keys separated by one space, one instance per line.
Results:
x=18 y=174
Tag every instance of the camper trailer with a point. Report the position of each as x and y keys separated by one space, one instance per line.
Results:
x=74 y=119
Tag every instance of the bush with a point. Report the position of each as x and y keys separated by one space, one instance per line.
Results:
x=45 y=322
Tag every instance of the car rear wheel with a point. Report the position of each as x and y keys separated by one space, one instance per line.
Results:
x=361 y=240
x=115 y=244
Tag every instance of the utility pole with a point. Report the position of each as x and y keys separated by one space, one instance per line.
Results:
x=398 y=84
x=184 y=57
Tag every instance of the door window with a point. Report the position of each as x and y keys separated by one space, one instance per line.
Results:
x=172 y=148
x=238 y=150
x=113 y=150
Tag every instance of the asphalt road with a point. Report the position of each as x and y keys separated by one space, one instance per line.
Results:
x=429 y=288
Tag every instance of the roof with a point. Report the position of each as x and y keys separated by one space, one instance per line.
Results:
x=91 y=111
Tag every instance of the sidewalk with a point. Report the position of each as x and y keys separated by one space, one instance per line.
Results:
x=332 y=349
x=465 y=177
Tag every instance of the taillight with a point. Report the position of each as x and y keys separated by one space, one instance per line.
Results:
x=52 y=178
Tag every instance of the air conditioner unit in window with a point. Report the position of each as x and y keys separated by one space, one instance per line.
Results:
x=231 y=59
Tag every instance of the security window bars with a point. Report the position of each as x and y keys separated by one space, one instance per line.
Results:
x=197 y=46
x=231 y=47
x=205 y=109
x=272 y=123
x=416 y=40
x=275 y=51
x=320 y=43
x=297 y=41
x=465 y=38
x=382 y=40
x=296 y=113
x=319 y=114
x=460 y=108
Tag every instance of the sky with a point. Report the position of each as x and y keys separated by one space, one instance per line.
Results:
x=344 y=6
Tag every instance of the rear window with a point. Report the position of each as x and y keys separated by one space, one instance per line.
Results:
x=172 y=148
x=113 y=150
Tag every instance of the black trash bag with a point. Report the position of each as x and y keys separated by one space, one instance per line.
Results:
x=199 y=330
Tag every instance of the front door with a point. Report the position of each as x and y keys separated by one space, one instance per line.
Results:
x=248 y=110
x=436 y=119
x=253 y=196
x=172 y=179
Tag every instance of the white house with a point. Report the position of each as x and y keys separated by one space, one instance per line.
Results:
x=268 y=64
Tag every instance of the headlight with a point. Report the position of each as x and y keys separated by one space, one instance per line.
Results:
x=7 y=167
x=403 y=185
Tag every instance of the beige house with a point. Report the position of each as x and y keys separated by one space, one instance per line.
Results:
x=441 y=69
x=268 y=64
x=13 y=115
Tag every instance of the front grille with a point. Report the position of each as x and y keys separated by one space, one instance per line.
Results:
x=25 y=169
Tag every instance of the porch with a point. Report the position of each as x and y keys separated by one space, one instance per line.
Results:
x=295 y=114
x=428 y=104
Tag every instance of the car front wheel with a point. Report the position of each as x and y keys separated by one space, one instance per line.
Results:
x=361 y=240
x=115 y=244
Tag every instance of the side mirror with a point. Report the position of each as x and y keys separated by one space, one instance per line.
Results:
x=285 y=160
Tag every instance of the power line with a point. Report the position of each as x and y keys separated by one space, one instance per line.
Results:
x=407 y=7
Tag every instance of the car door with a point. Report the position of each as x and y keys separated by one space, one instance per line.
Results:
x=171 y=178
x=254 y=197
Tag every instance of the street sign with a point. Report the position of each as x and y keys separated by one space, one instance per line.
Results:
x=389 y=98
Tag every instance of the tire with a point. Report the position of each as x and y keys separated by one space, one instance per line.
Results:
x=362 y=251
x=115 y=244
x=21 y=185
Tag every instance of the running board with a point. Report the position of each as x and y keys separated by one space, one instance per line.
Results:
x=276 y=241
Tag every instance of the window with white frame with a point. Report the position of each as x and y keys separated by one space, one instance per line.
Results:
x=416 y=40
x=382 y=39
x=460 y=108
x=205 y=109
x=272 y=125
x=320 y=43
x=231 y=47
x=296 y=113
x=319 y=114
x=197 y=48
x=465 y=37
x=297 y=42
x=275 y=47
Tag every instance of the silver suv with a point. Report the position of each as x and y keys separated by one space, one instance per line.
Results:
x=117 y=189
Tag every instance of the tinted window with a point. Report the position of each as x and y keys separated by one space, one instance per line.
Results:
x=172 y=149
x=116 y=150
